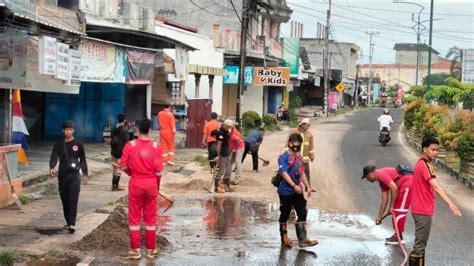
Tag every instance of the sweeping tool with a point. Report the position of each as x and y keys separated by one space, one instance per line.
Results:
x=10 y=180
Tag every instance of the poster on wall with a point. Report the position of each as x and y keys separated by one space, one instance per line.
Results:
x=232 y=75
x=332 y=99
x=47 y=55
x=98 y=62
x=62 y=64
x=12 y=57
x=140 y=67
x=75 y=62
x=272 y=76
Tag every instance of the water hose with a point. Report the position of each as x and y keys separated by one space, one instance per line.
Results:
x=397 y=232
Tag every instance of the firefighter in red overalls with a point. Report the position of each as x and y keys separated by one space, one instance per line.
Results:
x=167 y=133
x=142 y=159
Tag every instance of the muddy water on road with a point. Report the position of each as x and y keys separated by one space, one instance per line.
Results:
x=226 y=230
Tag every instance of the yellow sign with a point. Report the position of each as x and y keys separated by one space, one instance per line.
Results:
x=340 y=87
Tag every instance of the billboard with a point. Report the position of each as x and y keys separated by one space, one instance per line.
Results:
x=232 y=75
x=272 y=76
x=468 y=66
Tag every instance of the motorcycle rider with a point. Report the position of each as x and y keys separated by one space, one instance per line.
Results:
x=385 y=120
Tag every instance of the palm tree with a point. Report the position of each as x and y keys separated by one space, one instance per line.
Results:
x=455 y=54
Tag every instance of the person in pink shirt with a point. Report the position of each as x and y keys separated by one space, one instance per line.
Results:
x=424 y=189
x=399 y=185
x=237 y=148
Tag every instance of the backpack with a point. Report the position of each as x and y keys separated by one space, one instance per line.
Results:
x=404 y=169
x=277 y=177
x=116 y=136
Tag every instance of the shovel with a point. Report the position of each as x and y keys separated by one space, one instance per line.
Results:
x=265 y=162
x=9 y=175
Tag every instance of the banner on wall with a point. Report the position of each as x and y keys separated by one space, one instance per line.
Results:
x=62 y=64
x=232 y=75
x=181 y=63
x=291 y=54
x=272 y=76
x=75 y=62
x=98 y=62
x=140 y=67
x=12 y=57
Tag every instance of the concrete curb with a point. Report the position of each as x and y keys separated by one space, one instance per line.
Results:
x=463 y=178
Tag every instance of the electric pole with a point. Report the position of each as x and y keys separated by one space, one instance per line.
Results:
x=371 y=73
x=326 y=64
x=430 y=48
x=243 y=54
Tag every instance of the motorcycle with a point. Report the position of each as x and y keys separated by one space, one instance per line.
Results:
x=384 y=136
x=282 y=114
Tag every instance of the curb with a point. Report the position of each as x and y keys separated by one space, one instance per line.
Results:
x=463 y=178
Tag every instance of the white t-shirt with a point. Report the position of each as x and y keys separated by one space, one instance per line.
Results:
x=385 y=121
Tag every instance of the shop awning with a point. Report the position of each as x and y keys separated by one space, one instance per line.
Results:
x=206 y=70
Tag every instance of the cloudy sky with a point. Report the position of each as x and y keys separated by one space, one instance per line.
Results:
x=351 y=19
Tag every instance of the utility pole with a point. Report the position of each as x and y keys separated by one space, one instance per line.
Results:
x=371 y=73
x=326 y=64
x=430 y=48
x=243 y=54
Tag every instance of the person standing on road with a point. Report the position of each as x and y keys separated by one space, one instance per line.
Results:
x=142 y=159
x=237 y=148
x=399 y=185
x=119 y=139
x=72 y=160
x=167 y=134
x=223 y=157
x=209 y=140
x=424 y=188
x=290 y=191
x=307 y=147
x=252 y=145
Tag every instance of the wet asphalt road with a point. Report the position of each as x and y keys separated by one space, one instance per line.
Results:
x=452 y=238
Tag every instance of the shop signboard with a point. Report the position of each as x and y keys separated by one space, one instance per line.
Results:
x=47 y=56
x=62 y=64
x=232 y=75
x=140 y=67
x=75 y=62
x=272 y=76
x=12 y=56
x=98 y=62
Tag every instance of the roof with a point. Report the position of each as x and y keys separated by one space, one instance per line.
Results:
x=412 y=47
x=173 y=23
x=441 y=64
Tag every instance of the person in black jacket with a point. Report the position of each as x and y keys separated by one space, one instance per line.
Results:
x=72 y=160
x=120 y=137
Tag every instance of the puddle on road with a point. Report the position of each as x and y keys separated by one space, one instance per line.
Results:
x=233 y=231
x=49 y=231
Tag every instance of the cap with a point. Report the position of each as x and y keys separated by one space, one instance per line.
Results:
x=229 y=122
x=367 y=170
x=305 y=121
x=68 y=124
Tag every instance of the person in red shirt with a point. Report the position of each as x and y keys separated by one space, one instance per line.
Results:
x=399 y=186
x=167 y=134
x=209 y=139
x=142 y=159
x=424 y=189
x=237 y=148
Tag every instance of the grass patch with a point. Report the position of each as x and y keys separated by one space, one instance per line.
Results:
x=272 y=128
x=24 y=201
x=50 y=189
x=8 y=257
x=52 y=252
x=292 y=123
x=200 y=160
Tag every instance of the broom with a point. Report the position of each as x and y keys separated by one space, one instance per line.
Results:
x=9 y=175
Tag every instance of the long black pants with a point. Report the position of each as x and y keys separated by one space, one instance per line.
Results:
x=249 y=148
x=212 y=152
x=69 y=188
x=296 y=201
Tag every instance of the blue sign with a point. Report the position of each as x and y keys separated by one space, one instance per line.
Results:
x=232 y=75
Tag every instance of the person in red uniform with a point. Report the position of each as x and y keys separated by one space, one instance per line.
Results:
x=142 y=159
x=167 y=134
x=399 y=186
x=424 y=189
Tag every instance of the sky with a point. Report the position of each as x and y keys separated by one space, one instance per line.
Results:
x=453 y=23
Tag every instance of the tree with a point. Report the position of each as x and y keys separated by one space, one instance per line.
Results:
x=436 y=79
x=455 y=54
x=452 y=92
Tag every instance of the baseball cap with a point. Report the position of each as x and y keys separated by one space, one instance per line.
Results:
x=305 y=121
x=367 y=170
x=229 y=122
x=69 y=124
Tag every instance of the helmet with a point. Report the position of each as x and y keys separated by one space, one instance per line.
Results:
x=386 y=111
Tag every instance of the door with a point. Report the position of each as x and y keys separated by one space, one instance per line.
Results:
x=135 y=102
x=199 y=111
x=229 y=100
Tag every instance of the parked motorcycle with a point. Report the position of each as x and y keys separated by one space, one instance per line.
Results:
x=384 y=136
x=282 y=114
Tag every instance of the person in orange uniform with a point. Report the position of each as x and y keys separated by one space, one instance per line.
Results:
x=209 y=140
x=167 y=134
x=142 y=159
